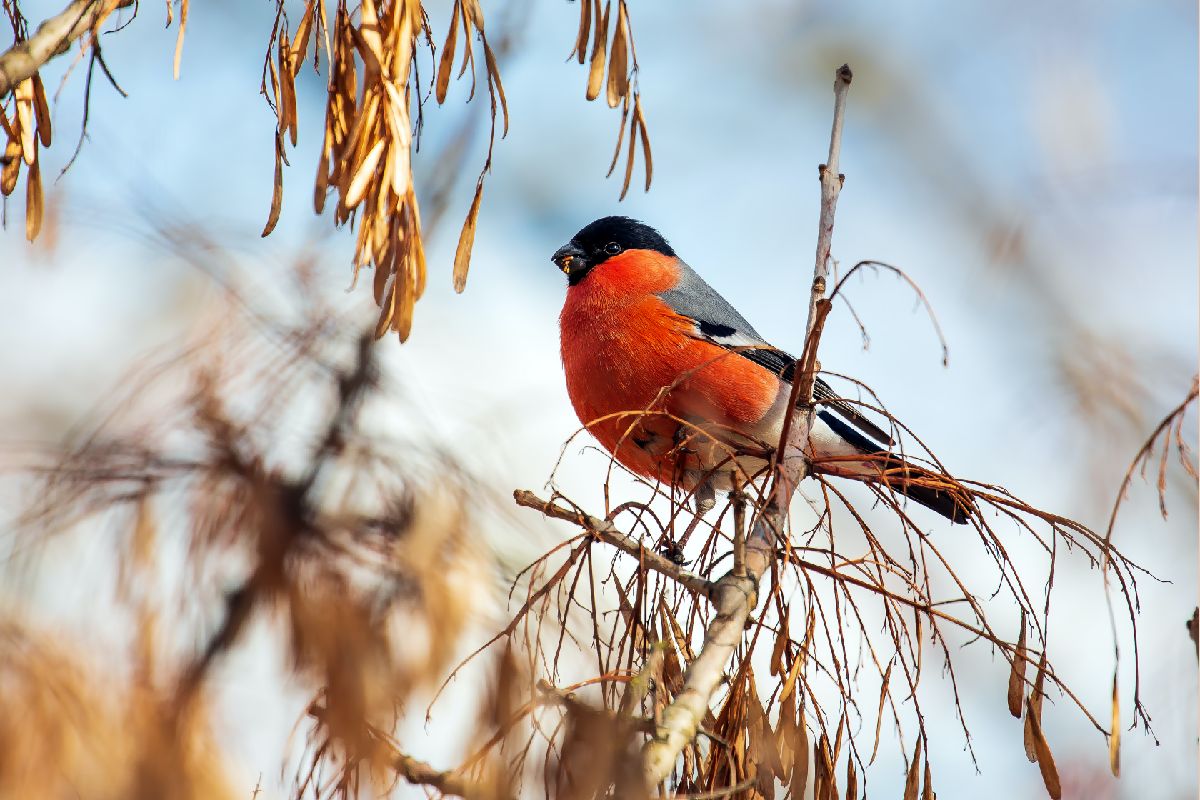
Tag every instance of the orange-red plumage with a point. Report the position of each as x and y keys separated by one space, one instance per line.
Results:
x=625 y=352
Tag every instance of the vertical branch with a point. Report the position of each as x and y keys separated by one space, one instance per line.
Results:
x=735 y=595
x=831 y=187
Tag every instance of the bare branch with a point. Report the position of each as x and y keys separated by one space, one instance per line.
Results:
x=608 y=533
x=53 y=37
x=736 y=594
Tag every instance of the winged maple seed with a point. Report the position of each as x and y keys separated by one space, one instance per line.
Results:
x=621 y=88
x=366 y=153
x=28 y=127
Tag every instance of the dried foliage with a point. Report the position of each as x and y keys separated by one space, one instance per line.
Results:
x=68 y=726
x=253 y=456
x=373 y=114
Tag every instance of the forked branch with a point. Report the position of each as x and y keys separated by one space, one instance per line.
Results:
x=52 y=38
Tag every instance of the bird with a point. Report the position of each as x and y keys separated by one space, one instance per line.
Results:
x=678 y=387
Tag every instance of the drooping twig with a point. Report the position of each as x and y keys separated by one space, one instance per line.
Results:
x=736 y=594
x=53 y=37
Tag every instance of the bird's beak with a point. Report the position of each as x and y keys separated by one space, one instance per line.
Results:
x=568 y=258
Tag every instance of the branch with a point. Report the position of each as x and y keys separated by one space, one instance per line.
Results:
x=608 y=533
x=736 y=594
x=53 y=37
x=415 y=771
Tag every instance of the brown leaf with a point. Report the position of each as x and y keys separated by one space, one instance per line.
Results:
x=912 y=783
x=596 y=71
x=1045 y=759
x=277 y=192
x=447 y=61
x=927 y=789
x=41 y=110
x=618 y=60
x=851 y=780
x=183 y=15
x=33 y=200
x=1016 y=678
x=466 y=240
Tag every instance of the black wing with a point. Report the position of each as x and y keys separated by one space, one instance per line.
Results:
x=720 y=323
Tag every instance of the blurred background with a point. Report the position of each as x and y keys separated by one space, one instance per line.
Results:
x=1031 y=166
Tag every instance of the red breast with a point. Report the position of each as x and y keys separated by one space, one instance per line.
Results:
x=622 y=346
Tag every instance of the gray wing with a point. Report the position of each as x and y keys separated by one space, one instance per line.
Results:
x=720 y=323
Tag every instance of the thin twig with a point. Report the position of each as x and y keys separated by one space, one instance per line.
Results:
x=608 y=533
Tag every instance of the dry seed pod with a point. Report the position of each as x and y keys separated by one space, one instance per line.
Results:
x=596 y=70
x=447 y=61
x=41 y=110
x=1034 y=703
x=633 y=131
x=277 y=190
x=466 y=240
x=183 y=15
x=33 y=200
x=1045 y=759
x=12 y=167
x=366 y=171
x=640 y=116
x=23 y=95
x=1016 y=678
x=300 y=43
x=912 y=783
x=585 y=30
x=618 y=61
x=493 y=73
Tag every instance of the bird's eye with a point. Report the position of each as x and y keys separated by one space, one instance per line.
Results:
x=612 y=248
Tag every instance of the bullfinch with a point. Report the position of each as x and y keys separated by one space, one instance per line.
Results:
x=680 y=388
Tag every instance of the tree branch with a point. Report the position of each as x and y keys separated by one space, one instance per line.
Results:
x=736 y=594
x=53 y=37
x=607 y=532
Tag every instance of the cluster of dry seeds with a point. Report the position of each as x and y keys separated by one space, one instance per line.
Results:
x=366 y=154
x=28 y=126
x=621 y=87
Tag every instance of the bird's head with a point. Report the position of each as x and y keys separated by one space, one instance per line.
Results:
x=603 y=239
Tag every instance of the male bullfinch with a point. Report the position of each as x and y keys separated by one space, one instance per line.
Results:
x=679 y=387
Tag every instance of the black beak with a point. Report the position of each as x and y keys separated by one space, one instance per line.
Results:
x=569 y=258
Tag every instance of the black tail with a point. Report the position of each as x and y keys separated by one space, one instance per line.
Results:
x=931 y=489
